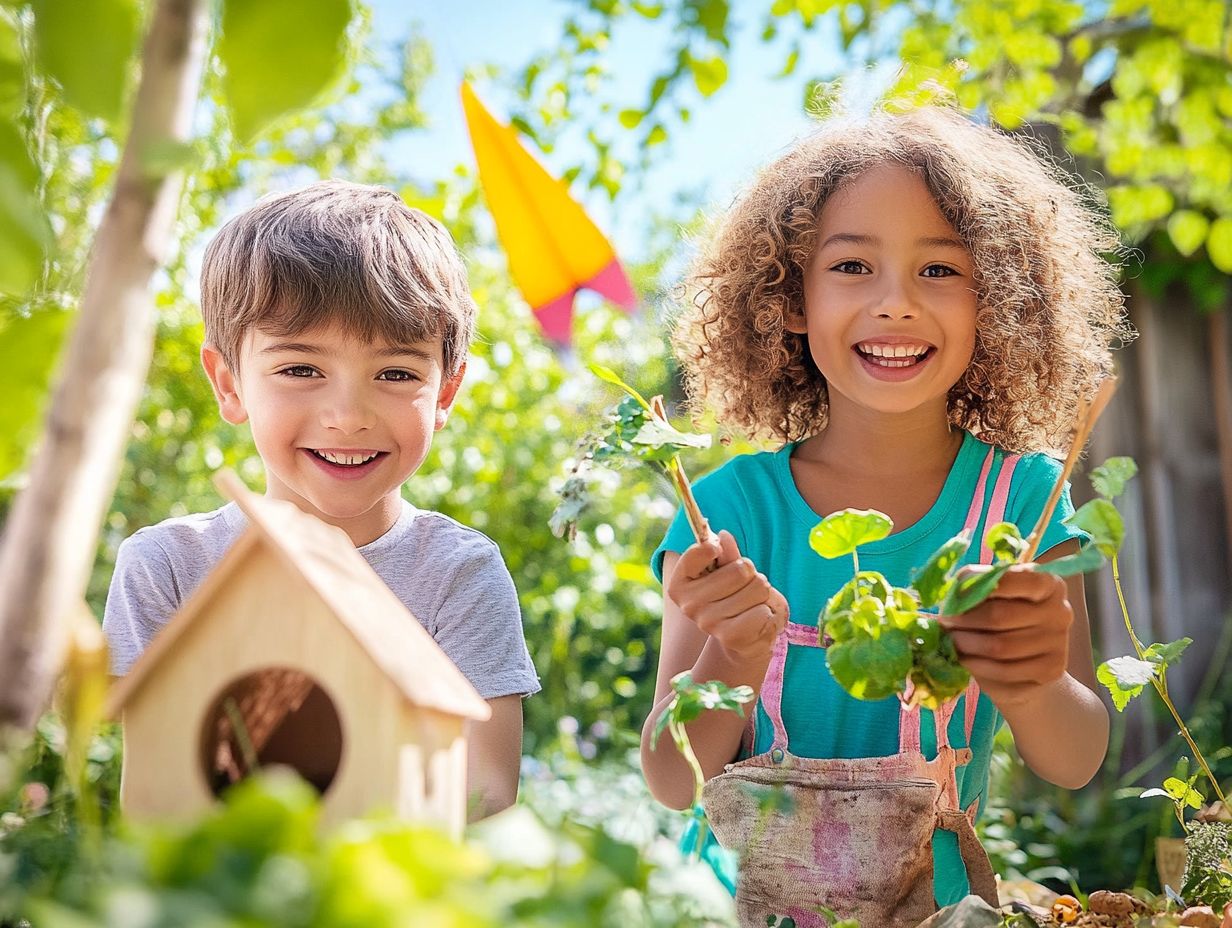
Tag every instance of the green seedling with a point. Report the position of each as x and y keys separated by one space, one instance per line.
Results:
x=689 y=700
x=1126 y=677
x=635 y=431
x=884 y=640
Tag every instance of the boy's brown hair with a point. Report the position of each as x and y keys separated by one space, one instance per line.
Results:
x=336 y=252
x=1049 y=307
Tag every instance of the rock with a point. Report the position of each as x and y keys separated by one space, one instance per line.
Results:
x=1117 y=905
x=1200 y=916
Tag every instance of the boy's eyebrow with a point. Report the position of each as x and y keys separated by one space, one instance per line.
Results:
x=853 y=238
x=385 y=351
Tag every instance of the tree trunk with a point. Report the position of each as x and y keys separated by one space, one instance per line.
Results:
x=52 y=531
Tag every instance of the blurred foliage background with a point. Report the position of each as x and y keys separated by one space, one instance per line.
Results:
x=1135 y=94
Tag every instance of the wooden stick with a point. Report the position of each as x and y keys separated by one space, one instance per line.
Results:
x=1087 y=416
x=693 y=512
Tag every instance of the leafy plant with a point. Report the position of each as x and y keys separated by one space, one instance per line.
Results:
x=882 y=640
x=636 y=430
x=1208 y=875
x=689 y=700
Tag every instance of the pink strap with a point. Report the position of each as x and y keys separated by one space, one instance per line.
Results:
x=808 y=636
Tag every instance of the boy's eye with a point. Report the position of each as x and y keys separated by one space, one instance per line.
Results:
x=939 y=270
x=850 y=267
x=397 y=376
x=299 y=370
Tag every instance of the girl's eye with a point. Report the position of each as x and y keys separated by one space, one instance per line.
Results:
x=397 y=376
x=299 y=370
x=850 y=267
x=940 y=271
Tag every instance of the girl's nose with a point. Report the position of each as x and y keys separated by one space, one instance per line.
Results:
x=896 y=301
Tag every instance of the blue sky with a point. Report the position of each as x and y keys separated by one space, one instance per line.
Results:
x=747 y=123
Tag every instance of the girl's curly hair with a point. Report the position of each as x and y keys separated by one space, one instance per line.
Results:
x=1049 y=308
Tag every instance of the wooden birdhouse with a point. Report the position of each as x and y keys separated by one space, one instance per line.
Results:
x=293 y=651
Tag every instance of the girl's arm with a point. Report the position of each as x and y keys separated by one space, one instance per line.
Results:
x=743 y=615
x=1029 y=648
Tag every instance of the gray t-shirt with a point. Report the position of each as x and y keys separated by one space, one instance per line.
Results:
x=451 y=577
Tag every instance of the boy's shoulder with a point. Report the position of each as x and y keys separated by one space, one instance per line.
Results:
x=437 y=538
x=195 y=535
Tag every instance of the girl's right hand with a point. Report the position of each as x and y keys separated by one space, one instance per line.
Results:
x=731 y=602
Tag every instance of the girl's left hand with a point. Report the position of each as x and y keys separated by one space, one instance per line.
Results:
x=1017 y=640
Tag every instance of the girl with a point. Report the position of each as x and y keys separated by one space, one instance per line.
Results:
x=913 y=306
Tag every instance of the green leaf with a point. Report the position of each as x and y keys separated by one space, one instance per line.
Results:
x=933 y=580
x=1088 y=559
x=631 y=119
x=606 y=373
x=659 y=434
x=870 y=668
x=1164 y=656
x=1100 y=519
x=709 y=74
x=1005 y=542
x=29 y=346
x=1187 y=229
x=1183 y=792
x=840 y=533
x=24 y=232
x=1109 y=478
x=972 y=589
x=1219 y=244
x=85 y=45
x=279 y=56
x=1125 y=677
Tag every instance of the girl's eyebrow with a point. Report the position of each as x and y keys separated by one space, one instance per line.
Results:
x=853 y=238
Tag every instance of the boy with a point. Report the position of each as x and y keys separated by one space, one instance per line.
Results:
x=337 y=322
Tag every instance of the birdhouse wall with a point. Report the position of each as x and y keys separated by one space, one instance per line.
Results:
x=263 y=616
x=432 y=769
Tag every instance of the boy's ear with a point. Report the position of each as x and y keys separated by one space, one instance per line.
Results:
x=225 y=385
x=449 y=393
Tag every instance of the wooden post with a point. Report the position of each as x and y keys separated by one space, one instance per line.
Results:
x=52 y=532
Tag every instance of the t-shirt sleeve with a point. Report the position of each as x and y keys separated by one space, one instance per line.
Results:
x=1040 y=473
x=140 y=601
x=479 y=623
x=719 y=497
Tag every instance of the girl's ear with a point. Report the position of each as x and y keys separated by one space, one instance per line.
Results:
x=225 y=384
x=794 y=321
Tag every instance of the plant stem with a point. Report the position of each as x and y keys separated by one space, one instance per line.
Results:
x=681 y=737
x=1159 y=681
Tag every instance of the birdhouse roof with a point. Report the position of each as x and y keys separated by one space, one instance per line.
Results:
x=324 y=558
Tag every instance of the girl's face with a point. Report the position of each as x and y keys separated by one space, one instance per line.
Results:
x=889 y=297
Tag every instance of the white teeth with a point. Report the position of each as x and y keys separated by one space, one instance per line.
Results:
x=892 y=351
x=348 y=459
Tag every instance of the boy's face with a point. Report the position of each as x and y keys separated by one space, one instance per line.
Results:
x=340 y=424
x=890 y=297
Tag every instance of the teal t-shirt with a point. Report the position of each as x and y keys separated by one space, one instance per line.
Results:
x=755 y=498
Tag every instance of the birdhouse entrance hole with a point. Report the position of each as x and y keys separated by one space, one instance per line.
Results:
x=271 y=716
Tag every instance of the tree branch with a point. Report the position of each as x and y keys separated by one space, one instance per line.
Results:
x=50 y=537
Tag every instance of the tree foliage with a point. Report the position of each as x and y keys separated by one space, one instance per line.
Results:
x=1140 y=91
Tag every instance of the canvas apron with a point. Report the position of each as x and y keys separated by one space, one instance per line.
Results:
x=852 y=835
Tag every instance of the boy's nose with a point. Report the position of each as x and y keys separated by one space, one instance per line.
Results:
x=347 y=412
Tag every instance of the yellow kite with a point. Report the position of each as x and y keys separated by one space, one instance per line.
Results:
x=553 y=248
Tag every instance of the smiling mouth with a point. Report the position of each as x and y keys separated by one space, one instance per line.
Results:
x=353 y=459
x=894 y=356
